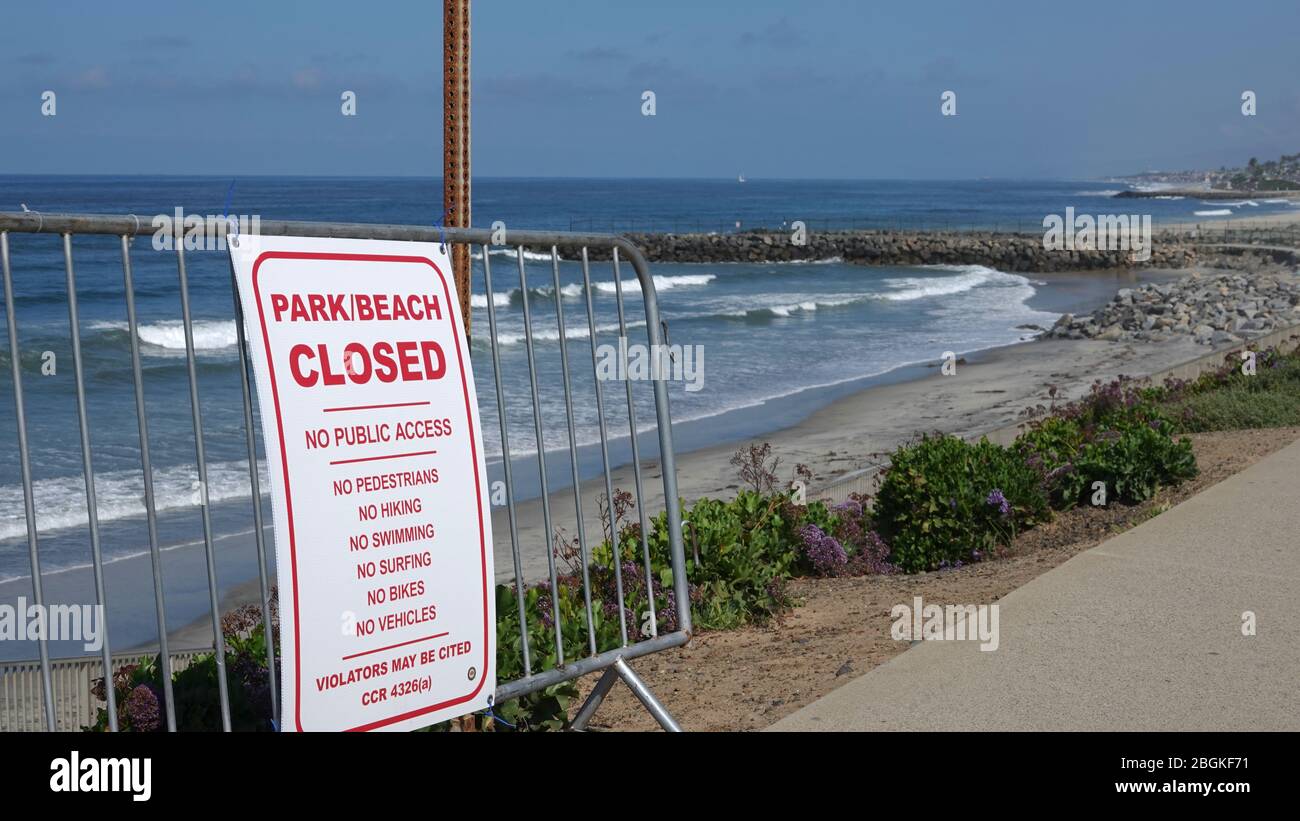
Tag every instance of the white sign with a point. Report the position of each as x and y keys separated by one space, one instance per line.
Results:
x=383 y=530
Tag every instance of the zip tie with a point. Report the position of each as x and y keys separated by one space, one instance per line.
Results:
x=442 y=235
x=492 y=714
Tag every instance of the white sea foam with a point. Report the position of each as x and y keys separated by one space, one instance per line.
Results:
x=662 y=283
x=968 y=277
x=529 y=256
x=504 y=299
x=499 y=299
x=574 y=290
x=1011 y=288
x=169 y=335
x=786 y=310
x=1217 y=212
x=61 y=501
x=784 y=305
x=570 y=291
x=553 y=334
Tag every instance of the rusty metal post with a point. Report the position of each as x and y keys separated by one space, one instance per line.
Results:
x=455 y=143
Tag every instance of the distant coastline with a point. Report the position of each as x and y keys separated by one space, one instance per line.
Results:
x=1193 y=193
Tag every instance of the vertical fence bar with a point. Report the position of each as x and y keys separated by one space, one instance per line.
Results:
x=573 y=450
x=520 y=588
x=256 y=485
x=636 y=454
x=604 y=450
x=146 y=465
x=25 y=463
x=667 y=460
x=201 y=457
x=92 y=509
x=541 y=462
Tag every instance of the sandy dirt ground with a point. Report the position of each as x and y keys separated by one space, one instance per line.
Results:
x=746 y=679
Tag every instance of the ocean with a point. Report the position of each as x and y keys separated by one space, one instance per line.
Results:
x=776 y=340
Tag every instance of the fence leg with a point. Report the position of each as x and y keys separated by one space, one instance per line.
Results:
x=594 y=700
x=639 y=689
x=647 y=698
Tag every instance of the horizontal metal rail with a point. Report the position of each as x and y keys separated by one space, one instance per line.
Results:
x=33 y=222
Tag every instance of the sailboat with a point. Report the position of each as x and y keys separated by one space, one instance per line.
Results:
x=741 y=178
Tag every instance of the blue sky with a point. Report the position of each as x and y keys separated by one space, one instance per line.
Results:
x=814 y=89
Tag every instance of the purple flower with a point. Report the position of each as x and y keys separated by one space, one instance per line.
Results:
x=143 y=709
x=996 y=499
x=873 y=555
x=824 y=552
x=544 y=604
x=849 y=506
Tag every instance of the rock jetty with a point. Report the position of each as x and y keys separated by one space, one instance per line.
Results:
x=1006 y=252
x=1213 y=310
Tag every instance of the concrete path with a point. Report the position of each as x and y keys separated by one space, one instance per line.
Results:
x=1142 y=632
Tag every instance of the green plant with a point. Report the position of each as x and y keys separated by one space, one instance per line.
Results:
x=1050 y=443
x=1229 y=399
x=141 y=697
x=945 y=500
x=1133 y=461
x=736 y=551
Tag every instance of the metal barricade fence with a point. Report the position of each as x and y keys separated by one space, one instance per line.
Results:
x=21 y=700
x=612 y=662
